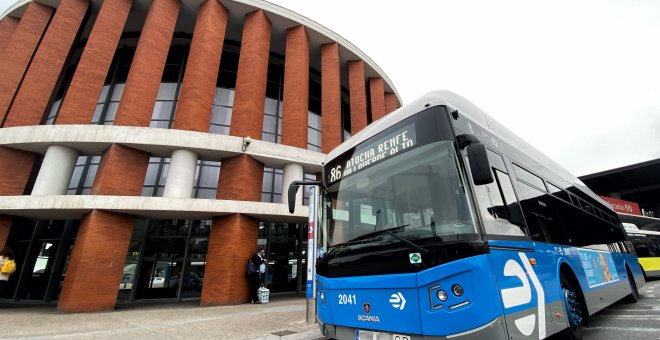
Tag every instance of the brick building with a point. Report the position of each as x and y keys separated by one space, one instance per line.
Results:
x=144 y=144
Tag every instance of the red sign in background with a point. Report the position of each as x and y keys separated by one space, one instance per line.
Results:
x=622 y=206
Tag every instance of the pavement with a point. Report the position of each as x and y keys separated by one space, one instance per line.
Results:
x=281 y=318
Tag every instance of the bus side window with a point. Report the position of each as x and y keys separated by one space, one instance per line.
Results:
x=541 y=215
x=500 y=207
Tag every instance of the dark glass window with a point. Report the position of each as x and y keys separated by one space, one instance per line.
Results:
x=206 y=179
x=223 y=104
x=314 y=135
x=272 y=127
x=529 y=177
x=154 y=181
x=83 y=175
x=540 y=213
x=271 y=190
x=501 y=213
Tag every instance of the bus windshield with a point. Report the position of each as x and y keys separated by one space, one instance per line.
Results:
x=415 y=198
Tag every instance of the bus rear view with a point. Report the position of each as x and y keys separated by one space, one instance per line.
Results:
x=425 y=236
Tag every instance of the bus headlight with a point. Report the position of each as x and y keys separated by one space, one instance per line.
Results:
x=442 y=296
x=457 y=290
x=321 y=296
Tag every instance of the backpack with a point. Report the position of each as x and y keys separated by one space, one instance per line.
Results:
x=8 y=267
x=250 y=268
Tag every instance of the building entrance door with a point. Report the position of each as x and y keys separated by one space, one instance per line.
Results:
x=42 y=251
x=161 y=268
x=170 y=264
x=286 y=250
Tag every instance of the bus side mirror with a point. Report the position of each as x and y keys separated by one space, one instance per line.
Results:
x=293 y=190
x=479 y=165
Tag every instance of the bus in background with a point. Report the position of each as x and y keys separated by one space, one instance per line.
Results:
x=437 y=222
x=647 y=247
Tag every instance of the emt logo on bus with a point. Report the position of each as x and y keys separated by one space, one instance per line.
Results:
x=517 y=296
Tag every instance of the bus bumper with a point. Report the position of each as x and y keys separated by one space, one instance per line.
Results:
x=493 y=330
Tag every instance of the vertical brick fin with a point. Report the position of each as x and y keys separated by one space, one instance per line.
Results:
x=16 y=57
x=5 y=227
x=15 y=168
x=377 y=93
x=330 y=97
x=358 y=101
x=139 y=96
x=248 y=113
x=41 y=78
x=97 y=262
x=296 y=88
x=232 y=241
x=391 y=103
x=121 y=172
x=7 y=27
x=240 y=179
x=198 y=88
x=83 y=93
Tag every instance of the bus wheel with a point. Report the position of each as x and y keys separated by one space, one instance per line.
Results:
x=634 y=293
x=573 y=308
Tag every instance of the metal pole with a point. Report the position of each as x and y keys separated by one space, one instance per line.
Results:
x=311 y=258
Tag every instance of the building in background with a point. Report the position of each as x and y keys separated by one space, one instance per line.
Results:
x=144 y=144
x=632 y=190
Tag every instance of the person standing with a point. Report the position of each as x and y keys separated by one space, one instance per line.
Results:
x=7 y=266
x=256 y=278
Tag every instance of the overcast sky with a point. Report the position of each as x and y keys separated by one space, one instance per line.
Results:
x=579 y=80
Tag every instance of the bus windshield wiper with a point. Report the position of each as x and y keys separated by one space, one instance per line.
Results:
x=408 y=242
x=367 y=237
x=389 y=231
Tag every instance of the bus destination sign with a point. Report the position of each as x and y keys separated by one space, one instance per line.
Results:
x=372 y=153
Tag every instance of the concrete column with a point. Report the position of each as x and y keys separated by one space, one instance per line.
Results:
x=292 y=172
x=248 y=114
x=16 y=57
x=391 y=103
x=199 y=81
x=40 y=80
x=295 y=106
x=139 y=96
x=7 y=27
x=85 y=88
x=56 y=170
x=358 y=101
x=377 y=98
x=181 y=174
x=330 y=97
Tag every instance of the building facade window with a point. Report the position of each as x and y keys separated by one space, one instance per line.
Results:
x=166 y=259
x=206 y=179
x=154 y=181
x=223 y=104
x=83 y=175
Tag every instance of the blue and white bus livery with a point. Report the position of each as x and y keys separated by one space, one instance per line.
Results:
x=439 y=223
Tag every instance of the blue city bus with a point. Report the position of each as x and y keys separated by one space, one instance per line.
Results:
x=439 y=223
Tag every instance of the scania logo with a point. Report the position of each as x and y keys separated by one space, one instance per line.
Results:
x=370 y=318
x=367 y=308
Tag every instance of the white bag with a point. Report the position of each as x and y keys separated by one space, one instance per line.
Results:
x=262 y=268
x=264 y=294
